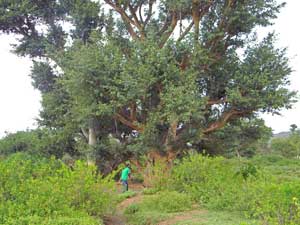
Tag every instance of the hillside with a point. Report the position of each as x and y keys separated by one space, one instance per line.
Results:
x=283 y=134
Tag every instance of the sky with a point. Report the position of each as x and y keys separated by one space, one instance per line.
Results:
x=20 y=103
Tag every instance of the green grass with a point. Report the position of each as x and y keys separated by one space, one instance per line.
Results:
x=128 y=194
x=157 y=207
x=147 y=217
x=150 y=191
x=217 y=218
x=283 y=169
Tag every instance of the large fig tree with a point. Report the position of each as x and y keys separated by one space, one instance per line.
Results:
x=158 y=75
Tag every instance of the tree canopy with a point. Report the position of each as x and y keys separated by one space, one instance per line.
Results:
x=153 y=75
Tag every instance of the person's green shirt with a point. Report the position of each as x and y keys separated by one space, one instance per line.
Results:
x=125 y=173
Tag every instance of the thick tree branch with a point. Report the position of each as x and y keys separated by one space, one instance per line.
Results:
x=140 y=14
x=133 y=111
x=136 y=21
x=196 y=18
x=166 y=35
x=224 y=119
x=128 y=123
x=223 y=25
x=129 y=22
x=151 y=2
x=198 y=11
x=85 y=133
x=216 y=101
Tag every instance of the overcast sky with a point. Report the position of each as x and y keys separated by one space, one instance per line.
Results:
x=20 y=103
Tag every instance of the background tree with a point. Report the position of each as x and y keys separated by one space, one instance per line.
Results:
x=42 y=28
x=288 y=146
x=293 y=128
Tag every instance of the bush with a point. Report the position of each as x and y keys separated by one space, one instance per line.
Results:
x=21 y=141
x=288 y=147
x=236 y=185
x=36 y=190
x=210 y=181
x=275 y=203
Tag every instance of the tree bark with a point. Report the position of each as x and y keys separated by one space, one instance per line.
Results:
x=92 y=141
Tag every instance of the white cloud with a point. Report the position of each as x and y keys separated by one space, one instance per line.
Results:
x=19 y=102
x=288 y=36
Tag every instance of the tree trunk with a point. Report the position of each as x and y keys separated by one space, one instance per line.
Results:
x=159 y=163
x=92 y=141
x=92 y=136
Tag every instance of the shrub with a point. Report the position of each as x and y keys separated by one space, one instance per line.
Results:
x=238 y=185
x=276 y=203
x=289 y=146
x=206 y=178
x=36 y=190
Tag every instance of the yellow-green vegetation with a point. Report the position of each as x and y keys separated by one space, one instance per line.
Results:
x=288 y=146
x=217 y=218
x=241 y=191
x=42 y=191
x=197 y=190
x=236 y=185
x=283 y=168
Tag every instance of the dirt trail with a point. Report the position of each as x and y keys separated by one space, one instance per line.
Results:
x=118 y=218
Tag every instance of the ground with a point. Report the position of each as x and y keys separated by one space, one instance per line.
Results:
x=196 y=216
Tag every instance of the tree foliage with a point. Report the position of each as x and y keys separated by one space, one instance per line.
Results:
x=154 y=75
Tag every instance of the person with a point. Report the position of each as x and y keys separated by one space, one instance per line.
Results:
x=125 y=174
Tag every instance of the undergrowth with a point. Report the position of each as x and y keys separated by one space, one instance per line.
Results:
x=42 y=191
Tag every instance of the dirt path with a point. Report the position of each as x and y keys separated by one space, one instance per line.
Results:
x=118 y=218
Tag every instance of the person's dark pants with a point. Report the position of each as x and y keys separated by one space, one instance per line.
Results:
x=125 y=185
